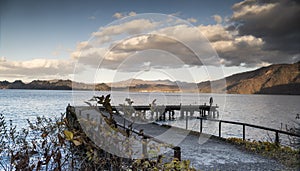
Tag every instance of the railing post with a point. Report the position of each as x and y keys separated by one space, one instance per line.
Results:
x=244 y=136
x=276 y=137
x=177 y=153
x=201 y=125
x=187 y=121
x=144 y=147
x=220 y=128
x=124 y=121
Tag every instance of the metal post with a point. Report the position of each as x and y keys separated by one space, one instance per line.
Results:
x=177 y=153
x=244 y=132
x=220 y=128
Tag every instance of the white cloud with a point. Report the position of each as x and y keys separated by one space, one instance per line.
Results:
x=192 y=20
x=132 y=13
x=36 y=68
x=2 y=59
x=132 y=27
x=250 y=40
x=249 y=7
x=217 y=18
x=216 y=32
x=118 y=15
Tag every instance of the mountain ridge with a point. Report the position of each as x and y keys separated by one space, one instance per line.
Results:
x=273 y=79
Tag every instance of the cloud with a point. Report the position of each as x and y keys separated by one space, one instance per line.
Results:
x=276 y=22
x=247 y=50
x=132 y=13
x=119 y=15
x=36 y=68
x=132 y=27
x=251 y=37
x=92 y=17
x=192 y=20
x=175 y=43
x=3 y=59
x=216 y=32
x=218 y=19
x=176 y=14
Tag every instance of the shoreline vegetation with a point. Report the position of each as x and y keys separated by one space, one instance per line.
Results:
x=274 y=79
x=61 y=143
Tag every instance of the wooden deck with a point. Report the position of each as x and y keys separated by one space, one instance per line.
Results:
x=159 y=112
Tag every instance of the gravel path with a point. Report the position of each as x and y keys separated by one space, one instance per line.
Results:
x=208 y=153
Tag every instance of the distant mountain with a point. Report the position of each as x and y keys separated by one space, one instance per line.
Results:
x=137 y=82
x=138 y=85
x=52 y=85
x=274 y=79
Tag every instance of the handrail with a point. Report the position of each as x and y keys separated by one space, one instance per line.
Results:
x=143 y=134
x=249 y=125
x=177 y=149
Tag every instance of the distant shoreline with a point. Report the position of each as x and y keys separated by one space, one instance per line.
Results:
x=143 y=91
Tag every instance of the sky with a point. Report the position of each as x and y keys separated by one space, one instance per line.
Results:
x=107 y=41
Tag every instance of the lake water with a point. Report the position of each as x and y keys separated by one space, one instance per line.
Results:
x=275 y=111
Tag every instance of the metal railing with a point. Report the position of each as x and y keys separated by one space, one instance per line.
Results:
x=145 y=137
x=276 y=131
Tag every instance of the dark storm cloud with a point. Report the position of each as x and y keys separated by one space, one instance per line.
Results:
x=276 y=22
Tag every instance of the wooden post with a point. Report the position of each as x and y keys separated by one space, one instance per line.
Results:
x=181 y=113
x=276 y=137
x=152 y=114
x=173 y=115
x=220 y=128
x=201 y=125
x=186 y=122
x=244 y=132
x=144 y=147
x=177 y=153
